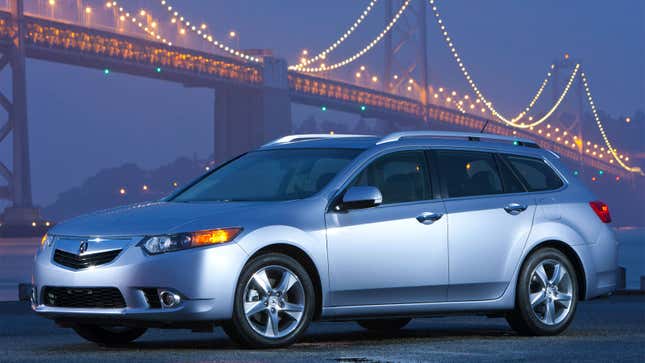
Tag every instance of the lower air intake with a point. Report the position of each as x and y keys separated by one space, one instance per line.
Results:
x=73 y=297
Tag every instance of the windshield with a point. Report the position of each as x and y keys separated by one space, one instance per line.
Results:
x=270 y=175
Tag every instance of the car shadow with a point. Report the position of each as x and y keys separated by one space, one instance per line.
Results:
x=311 y=341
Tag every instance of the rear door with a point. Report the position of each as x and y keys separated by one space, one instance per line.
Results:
x=490 y=215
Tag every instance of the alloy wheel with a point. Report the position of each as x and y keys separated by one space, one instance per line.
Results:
x=550 y=292
x=274 y=301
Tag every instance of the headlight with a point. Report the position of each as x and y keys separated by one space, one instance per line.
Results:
x=181 y=241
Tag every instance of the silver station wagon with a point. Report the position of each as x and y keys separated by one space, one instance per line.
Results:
x=338 y=227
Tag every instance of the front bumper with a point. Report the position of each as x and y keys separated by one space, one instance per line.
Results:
x=205 y=278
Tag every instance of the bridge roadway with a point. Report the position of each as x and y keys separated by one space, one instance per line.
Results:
x=269 y=86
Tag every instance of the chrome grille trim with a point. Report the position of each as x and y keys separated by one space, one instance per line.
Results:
x=84 y=261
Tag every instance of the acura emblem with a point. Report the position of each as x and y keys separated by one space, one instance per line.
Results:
x=82 y=247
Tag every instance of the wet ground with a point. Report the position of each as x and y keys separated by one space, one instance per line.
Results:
x=610 y=329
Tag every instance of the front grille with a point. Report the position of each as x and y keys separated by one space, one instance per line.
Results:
x=84 y=261
x=93 y=297
x=152 y=298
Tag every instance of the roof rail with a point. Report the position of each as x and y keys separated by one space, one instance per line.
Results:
x=470 y=136
x=302 y=137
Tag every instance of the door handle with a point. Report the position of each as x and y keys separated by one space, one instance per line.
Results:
x=515 y=208
x=429 y=217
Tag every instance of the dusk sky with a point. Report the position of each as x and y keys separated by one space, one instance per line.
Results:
x=82 y=121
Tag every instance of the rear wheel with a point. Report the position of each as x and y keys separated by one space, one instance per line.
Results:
x=109 y=335
x=274 y=302
x=384 y=325
x=546 y=294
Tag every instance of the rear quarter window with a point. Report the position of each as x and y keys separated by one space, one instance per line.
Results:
x=536 y=174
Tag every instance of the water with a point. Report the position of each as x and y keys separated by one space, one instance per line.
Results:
x=16 y=260
x=631 y=254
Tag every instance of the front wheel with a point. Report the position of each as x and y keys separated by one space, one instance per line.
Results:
x=274 y=302
x=546 y=294
x=108 y=335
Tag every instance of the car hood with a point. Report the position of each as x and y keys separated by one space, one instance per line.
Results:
x=159 y=218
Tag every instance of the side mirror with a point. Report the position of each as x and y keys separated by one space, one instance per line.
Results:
x=361 y=197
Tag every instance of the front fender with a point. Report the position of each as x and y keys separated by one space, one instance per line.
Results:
x=313 y=244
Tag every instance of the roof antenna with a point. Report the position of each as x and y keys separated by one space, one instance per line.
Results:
x=484 y=128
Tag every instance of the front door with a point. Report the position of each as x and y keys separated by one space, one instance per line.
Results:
x=390 y=254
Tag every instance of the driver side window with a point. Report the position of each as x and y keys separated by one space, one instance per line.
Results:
x=401 y=177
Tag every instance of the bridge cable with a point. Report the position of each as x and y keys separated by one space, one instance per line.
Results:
x=126 y=15
x=322 y=55
x=375 y=41
x=488 y=104
x=206 y=36
x=594 y=111
x=523 y=125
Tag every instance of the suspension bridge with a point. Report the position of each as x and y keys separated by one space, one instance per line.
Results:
x=253 y=91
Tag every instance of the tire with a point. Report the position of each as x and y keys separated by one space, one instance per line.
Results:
x=554 y=302
x=109 y=336
x=384 y=325
x=272 y=288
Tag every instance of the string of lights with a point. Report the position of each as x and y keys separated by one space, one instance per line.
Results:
x=322 y=55
x=534 y=100
x=375 y=41
x=513 y=121
x=577 y=142
x=460 y=107
x=201 y=31
x=509 y=121
x=594 y=111
x=540 y=90
x=551 y=132
x=125 y=15
x=560 y=136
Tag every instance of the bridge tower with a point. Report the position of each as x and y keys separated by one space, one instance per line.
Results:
x=21 y=213
x=562 y=67
x=406 y=50
x=246 y=117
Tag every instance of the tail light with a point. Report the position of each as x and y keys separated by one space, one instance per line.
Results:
x=602 y=210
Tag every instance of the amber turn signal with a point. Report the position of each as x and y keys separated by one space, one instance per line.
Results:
x=220 y=235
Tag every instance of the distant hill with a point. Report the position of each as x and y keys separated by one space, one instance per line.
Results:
x=104 y=189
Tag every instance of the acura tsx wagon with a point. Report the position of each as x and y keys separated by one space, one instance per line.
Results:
x=338 y=227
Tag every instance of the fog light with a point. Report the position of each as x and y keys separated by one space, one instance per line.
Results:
x=169 y=299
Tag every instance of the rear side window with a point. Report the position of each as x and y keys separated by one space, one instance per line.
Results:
x=535 y=173
x=468 y=173
x=401 y=177
x=511 y=183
